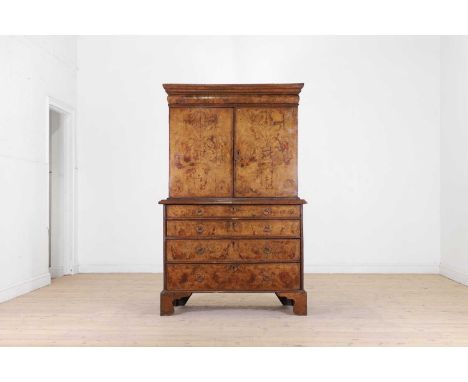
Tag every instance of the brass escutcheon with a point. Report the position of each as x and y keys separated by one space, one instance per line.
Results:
x=267 y=211
x=234 y=267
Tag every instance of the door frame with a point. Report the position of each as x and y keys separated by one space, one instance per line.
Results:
x=69 y=261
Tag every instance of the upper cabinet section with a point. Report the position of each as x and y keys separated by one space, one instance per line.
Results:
x=233 y=95
x=200 y=149
x=233 y=140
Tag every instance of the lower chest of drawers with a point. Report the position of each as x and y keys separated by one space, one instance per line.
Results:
x=233 y=248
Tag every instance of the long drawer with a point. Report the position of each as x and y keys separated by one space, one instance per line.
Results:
x=241 y=211
x=233 y=250
x=239 y=228
x=233 y=277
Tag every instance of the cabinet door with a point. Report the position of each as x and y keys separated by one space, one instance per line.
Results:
x=201 y=152
x=266 y=152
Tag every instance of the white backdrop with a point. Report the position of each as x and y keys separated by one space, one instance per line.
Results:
x=369 y=133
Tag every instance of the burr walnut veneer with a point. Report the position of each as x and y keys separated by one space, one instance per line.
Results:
x=233 y=220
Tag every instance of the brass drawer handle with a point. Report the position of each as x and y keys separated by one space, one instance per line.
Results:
x=267 y=250
x=199 y=211
x=267 y=211
x=200 y=229
x=267 y=228
x=200 y=251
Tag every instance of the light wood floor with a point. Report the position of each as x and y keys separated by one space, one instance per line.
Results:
x=344 y=310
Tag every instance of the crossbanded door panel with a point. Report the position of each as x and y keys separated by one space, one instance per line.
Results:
x=265 y=152
x=201 y=152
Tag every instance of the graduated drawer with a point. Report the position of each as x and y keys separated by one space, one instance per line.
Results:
x=233 y=250
x=241 y=211
x=239 y=228
x=233 y=277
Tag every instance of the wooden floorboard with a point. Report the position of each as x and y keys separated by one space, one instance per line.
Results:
x=344 y=310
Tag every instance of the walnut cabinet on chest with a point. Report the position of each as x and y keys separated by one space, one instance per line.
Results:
x=233 y=220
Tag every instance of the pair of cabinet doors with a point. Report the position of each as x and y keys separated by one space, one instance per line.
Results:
x=233 y=152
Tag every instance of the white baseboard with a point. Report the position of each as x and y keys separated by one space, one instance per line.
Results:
x=329 y=268
x=44 y=279
x=120 y=268
x=73 y=270
x=24 y=287
x=372 y=268
x=56 y=272
x=459 y=277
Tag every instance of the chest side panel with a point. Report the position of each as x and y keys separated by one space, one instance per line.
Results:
x=266 y=152
x=200 y=152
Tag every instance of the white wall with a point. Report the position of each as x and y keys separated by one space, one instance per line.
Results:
x=369 y=143
x=454 y=157
x=31 y=68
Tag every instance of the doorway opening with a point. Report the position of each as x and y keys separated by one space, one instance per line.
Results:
x=61 y=190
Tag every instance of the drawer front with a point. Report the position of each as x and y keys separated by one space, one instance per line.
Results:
x=233 y=250
x=233 y=277
x=241 y=211
x=218 y=228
